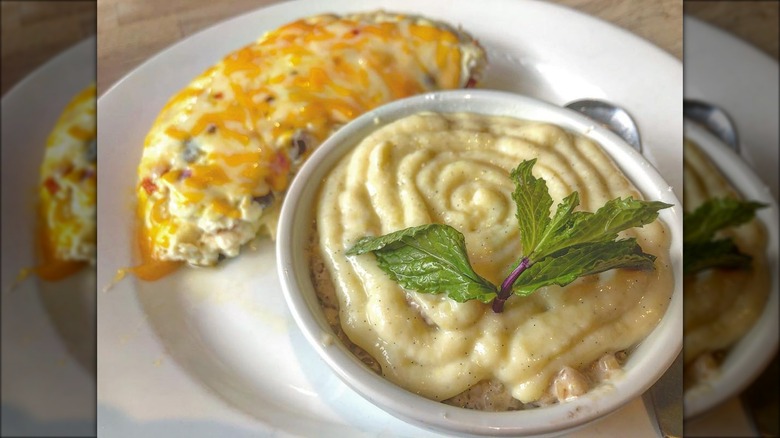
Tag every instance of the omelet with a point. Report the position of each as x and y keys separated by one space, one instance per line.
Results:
x=220 y=155
x=67 y=191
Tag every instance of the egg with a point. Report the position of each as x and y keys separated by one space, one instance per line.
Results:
x=220 y=155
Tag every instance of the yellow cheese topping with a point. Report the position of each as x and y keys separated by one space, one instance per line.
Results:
x=223 y=150
x=67 y=191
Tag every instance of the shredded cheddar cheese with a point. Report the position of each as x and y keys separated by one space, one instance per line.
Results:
x=224 y=149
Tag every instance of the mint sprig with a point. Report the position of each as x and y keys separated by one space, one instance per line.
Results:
x=701 y=250
x=430 y=258
x=557 y=249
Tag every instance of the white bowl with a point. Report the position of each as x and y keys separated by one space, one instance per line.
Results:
x=644 y=366
x=748 y=357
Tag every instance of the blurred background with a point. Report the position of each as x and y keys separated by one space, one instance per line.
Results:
x=48 y=328
x=756 y=23
x=130 y=32
x=34 y=31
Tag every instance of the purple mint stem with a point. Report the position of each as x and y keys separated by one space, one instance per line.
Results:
x=506 y=286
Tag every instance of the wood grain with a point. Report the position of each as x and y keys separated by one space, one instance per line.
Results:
x=35 y=31
x=755 y=22
x=131 y=31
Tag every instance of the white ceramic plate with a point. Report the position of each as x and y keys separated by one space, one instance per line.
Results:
x=742 y=80
x=215 y=351
x=748 y=358
x=48 y=338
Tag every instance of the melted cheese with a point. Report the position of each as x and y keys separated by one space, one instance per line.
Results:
x=67 y=192
x=223 y=150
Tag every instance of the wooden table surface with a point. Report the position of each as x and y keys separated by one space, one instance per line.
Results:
x=755 y=22
x=131 y=31
x=34 y=31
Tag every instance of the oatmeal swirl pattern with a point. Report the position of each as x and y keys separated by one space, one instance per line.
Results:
x=454 y=169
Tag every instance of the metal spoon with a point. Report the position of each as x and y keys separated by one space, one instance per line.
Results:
x=664 y=400
x=613 y=117
x=714 y=119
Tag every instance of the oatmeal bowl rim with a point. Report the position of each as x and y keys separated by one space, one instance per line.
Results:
x=645 y=365
x=752 y=353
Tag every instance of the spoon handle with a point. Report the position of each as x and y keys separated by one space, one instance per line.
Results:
x=714 y=119
x=612 y=117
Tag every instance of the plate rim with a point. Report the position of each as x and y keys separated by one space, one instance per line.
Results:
x=104 y=97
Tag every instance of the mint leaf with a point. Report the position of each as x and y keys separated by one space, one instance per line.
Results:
x=568 y=229
x=602 y=226
x=581 y=260
x=533 y=205
x=723 y=253
x=430 y=259
x=556 y=250
x=543 y=236
x=717 y=214
x=700 y=251
x=561 y=224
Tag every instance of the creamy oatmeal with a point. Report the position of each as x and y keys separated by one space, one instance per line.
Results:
x=454 y=169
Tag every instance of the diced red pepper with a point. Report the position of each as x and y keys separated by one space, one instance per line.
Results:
x=51 y=185
x=471 y=83
x=280 y=163
x=280 y=170
x=148 y=185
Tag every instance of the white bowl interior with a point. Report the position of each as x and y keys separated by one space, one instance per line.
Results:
x=748 y=358
x=648 y=362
